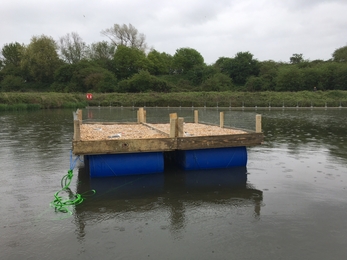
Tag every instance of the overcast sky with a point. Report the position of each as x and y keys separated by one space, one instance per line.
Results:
x=269 y=29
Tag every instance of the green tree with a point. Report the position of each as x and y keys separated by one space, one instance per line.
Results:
x=72 y=48
x=11 y=59
x=289 y=78
x=101 y=50
x=254 y=83
x=40 y=59
x=311 y=77
x=186 y=59
x=126 y=35
x=224 y=65
x=159 y=63
x=296 y=58
x=83 y=77
x=333 y=76
x=12 y=54
x=128 y=61
x=268 y=73
x=340 y=54
x=217 y=82
x=239 y=68
x=102 y=53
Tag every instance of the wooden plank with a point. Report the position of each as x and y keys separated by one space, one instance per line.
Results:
x=123 y=146
x=203 y=142
x=110 y=123
x=159 y=131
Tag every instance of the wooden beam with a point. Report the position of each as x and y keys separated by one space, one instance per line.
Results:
x=165 y=144
x=204 y=142
x=123 y=146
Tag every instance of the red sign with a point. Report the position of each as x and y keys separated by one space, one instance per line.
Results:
x=89 y=96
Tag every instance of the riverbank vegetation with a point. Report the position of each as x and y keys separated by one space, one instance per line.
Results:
x=50 y=100
x=123 y=71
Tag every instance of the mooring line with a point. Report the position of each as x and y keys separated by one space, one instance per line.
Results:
x=59 y=203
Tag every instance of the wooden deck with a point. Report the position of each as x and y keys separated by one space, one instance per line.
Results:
x=113 y=138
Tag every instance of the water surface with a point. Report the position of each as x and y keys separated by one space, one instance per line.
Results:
x=289 y=203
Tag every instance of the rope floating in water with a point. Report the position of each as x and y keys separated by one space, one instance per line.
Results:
x=59 y=203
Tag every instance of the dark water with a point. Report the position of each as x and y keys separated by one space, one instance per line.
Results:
x=289 y=203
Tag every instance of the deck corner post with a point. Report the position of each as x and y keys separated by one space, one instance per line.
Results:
x=79 y=114
x=77 y=130
x=221 y=119
x=196 y=116
x=258 y=124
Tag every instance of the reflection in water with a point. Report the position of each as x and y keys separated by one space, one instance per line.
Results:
x=172 y=191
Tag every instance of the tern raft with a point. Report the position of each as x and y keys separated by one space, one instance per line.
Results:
x=116 y=149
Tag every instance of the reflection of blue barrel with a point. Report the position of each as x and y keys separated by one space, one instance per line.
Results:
x=127 y=187
x=105 y=165
x=212 y=158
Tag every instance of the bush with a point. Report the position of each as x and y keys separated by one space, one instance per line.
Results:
x=12 y=83
x=143 y=82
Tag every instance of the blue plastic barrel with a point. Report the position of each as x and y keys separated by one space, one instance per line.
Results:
x=212 y=158
x=105 y=165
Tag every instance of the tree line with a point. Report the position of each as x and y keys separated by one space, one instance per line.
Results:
x=125 y=64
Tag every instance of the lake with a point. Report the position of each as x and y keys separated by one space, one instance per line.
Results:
x=290 y=202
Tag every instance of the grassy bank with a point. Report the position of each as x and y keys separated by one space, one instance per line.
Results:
x=26 y=101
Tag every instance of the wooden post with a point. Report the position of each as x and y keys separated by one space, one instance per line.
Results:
x=141 y=115
x=173 y=116
x=258 y=123
x=221 y=119
x=173 y=127
x=79 y=114
x=196 y=116
x=77 y=130
x=180 y=132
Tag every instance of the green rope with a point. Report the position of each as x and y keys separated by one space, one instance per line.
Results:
x=59 y=203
